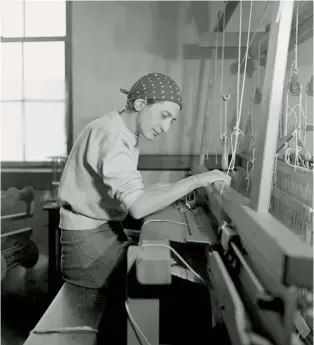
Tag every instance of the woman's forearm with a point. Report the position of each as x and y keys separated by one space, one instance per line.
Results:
x=153 y=200
x=157 y=186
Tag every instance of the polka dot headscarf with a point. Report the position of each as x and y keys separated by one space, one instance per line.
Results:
x=155 y=86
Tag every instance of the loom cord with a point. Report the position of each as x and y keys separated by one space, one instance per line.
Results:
x=222 y=80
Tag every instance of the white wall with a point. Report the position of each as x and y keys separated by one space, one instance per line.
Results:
x=115 y=43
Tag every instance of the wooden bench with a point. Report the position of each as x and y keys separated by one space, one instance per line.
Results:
x=72 y=318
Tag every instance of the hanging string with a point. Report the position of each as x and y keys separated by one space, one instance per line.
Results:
x=296 y=37
x=236 y=130
x=247 y=50
x=255 y=32
x=239 y=63
x=216 y=61
x=222 y=77
x=207 y=140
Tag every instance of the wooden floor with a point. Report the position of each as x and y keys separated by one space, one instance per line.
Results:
x=18 y=317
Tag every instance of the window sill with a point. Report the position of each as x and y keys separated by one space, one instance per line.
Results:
x=25 y=167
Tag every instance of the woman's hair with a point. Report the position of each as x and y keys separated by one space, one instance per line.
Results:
x=130 y=104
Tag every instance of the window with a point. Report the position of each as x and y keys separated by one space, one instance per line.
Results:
x=33 y=80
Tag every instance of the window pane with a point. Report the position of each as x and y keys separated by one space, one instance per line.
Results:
x=45 y=130
x=45 y=18
x=12 y=18
x=11 y=71
x=45 y=90
x=44 y=61
x=11 y=132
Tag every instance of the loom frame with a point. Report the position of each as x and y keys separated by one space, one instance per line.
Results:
x=279 y=257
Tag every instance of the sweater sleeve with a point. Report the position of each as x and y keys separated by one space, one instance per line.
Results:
x=119 y=171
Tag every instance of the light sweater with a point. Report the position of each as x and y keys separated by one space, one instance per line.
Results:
x=100 y=180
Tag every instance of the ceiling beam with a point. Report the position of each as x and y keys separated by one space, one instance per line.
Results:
x=231 y=39
x=223 y=20
x=305 y=29
x=206 y=49
x=200 y=11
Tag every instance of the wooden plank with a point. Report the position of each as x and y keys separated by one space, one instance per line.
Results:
x=196 y=52
x=16 y=216
x=72 y=307
x=271 y=105
x=305 y=32
x=223 y=21
x=276 y=252
x=234 y=313
x=25 y=232
x=231 y=39
x=277 y=325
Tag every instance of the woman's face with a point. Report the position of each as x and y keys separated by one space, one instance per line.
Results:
x=157 y=118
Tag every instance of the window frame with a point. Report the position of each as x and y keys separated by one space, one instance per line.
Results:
x=10 y=166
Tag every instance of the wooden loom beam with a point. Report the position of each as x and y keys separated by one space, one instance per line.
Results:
x=206 y=47
x=223 y=21
x=277 y=254
x=305 y=31
x=268 y=125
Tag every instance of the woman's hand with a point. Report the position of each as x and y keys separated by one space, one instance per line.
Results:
x=208 y=178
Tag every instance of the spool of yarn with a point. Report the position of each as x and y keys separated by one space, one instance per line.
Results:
x=257 y=97
x=22 y=252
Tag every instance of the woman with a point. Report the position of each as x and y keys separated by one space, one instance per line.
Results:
x=101 y=183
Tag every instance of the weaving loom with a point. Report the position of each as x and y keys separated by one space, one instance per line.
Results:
x=261 y=262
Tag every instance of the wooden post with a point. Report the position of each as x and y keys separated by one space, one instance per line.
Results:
x=271 y=105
